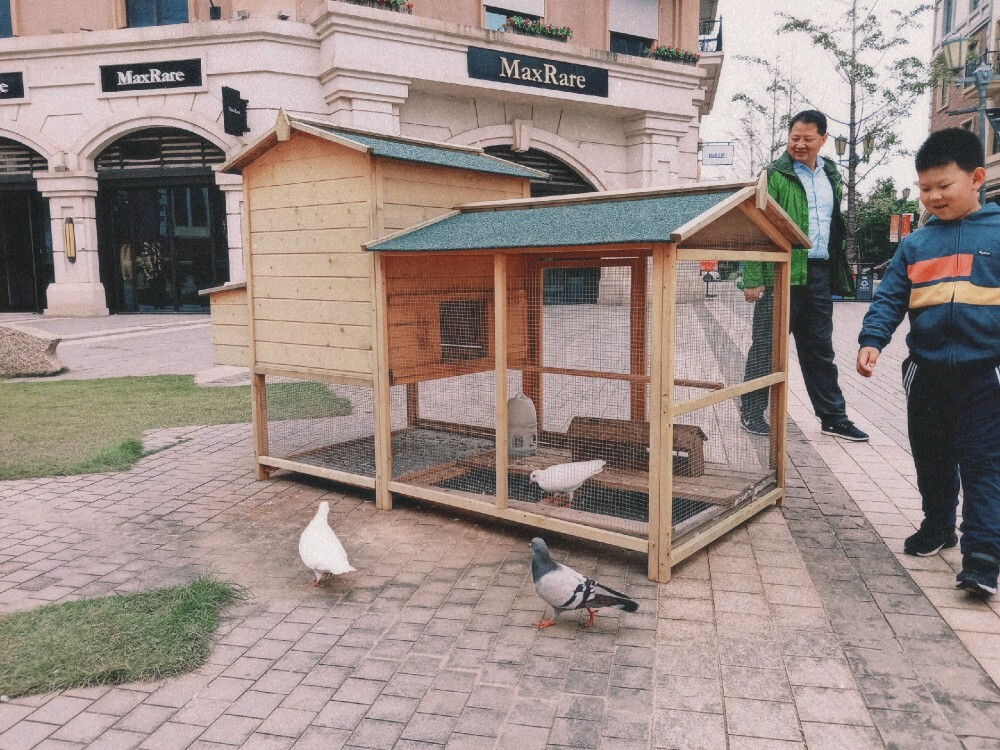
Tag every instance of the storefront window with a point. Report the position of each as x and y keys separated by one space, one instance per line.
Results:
x=496 y=18
x=6 y=28
x=627 y=44
x=156 y=12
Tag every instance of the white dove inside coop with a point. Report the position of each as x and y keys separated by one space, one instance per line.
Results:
x=428 y=320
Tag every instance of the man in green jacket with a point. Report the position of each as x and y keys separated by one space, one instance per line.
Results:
x=810 y=189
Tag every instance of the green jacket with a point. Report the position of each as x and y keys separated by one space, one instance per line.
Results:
x=786 y=188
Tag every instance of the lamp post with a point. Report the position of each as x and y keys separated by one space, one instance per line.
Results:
x=842 y=145
x=956 y=54
x=905 y=193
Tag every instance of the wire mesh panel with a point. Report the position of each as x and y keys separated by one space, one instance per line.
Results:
x=322 y=424
x=441 y=359
x=724 y=454
x=716 y=334
x=577 y=333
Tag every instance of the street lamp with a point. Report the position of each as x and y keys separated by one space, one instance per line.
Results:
x=840 y=144
x=902 y=227
x=956 y=54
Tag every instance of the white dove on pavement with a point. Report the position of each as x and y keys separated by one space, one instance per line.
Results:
x=563 y=589
x=566 y=478
x=321 y=550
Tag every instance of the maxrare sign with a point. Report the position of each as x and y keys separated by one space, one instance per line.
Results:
x=11 y=86
x=524 y=70
x=172 y=74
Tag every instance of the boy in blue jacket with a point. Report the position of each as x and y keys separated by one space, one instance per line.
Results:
x=947 y=275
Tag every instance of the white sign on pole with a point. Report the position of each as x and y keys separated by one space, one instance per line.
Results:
x=717 y=154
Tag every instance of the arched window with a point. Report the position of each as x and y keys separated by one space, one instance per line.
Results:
x=159 y=148
x=17 y=160
x=564 y=179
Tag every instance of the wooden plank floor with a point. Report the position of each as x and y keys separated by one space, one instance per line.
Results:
x=719 y=485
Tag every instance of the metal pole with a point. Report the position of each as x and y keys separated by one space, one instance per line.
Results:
x=983 y=77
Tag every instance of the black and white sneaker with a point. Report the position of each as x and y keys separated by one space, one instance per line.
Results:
x=755 y=425
x=845 y=430
x=979 y=573
x=929 y=540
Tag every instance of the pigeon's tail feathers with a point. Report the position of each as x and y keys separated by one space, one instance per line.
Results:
x=604 y=597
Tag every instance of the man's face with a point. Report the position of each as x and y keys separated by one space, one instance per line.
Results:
x=949 y=192
x=804 y=143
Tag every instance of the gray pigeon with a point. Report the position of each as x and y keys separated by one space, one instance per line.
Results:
x=563 y=589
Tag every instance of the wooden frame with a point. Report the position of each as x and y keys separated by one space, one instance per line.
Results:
x=328 y=241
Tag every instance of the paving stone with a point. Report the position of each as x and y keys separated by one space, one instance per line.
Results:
x=688 y=729
x=756 y=718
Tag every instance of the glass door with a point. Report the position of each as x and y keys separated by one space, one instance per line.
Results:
x=25 y=251
x=164 y=244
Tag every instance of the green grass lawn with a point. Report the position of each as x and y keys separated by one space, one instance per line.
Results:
x=82 y=426
x=111 y=640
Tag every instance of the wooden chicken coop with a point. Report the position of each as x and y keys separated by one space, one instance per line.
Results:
x=411 y=284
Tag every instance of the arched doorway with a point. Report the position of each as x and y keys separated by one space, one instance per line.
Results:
x=563 y=286
x=161 y=221
x=25 y=236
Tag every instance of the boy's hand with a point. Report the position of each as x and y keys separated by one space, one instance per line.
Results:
x=867 y=357
x=753 y=293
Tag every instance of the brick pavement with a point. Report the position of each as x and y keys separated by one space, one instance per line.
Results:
x=800 y=629
x=764 y=640
x=880 y=478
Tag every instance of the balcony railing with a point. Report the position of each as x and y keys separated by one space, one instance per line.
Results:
x=710 y=35
x=990 y=58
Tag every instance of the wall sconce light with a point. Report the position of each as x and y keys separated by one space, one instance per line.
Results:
x=214 y=11
x=69 y=234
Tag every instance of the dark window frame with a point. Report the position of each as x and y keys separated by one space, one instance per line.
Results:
x=162 y=10
x=6 y=20
x=948 y=11
x=629 y=44
x=493 y=10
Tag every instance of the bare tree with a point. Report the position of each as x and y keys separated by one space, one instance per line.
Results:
x=764 y=116
x=881 y=89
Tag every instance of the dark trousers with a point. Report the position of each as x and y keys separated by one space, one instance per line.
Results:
x=811 y=325
x=953 y=416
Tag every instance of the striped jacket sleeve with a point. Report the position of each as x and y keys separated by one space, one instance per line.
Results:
x=890 y=304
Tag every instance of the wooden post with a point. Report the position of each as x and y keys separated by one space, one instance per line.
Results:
x=531 y=380
x=500 y=361
x=661 y=428
x=779 y=363
x=258 y=383
x=638 y=330
x=258 y=411
x=412 y=403
x=382 y=392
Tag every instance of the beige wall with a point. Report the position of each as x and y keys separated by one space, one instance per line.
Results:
x=587 y=18
x=32 y=18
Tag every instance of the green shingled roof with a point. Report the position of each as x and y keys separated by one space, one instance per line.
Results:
x=391 y=148
x=611 y=222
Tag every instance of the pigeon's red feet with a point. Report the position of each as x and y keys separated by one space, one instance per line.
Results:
x=546 y=624
x=317 y=584
x=557 y=500
x=591 y=620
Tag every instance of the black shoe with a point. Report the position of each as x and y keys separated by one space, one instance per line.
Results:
x=929 y=541
x=755 y=425
x=979 y=573
x=845 y=430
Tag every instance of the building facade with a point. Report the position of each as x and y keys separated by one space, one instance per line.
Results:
x=976 y=19
x=115 y=114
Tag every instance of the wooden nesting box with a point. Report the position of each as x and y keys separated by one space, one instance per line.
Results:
x=625 y=444
x=392 y=265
